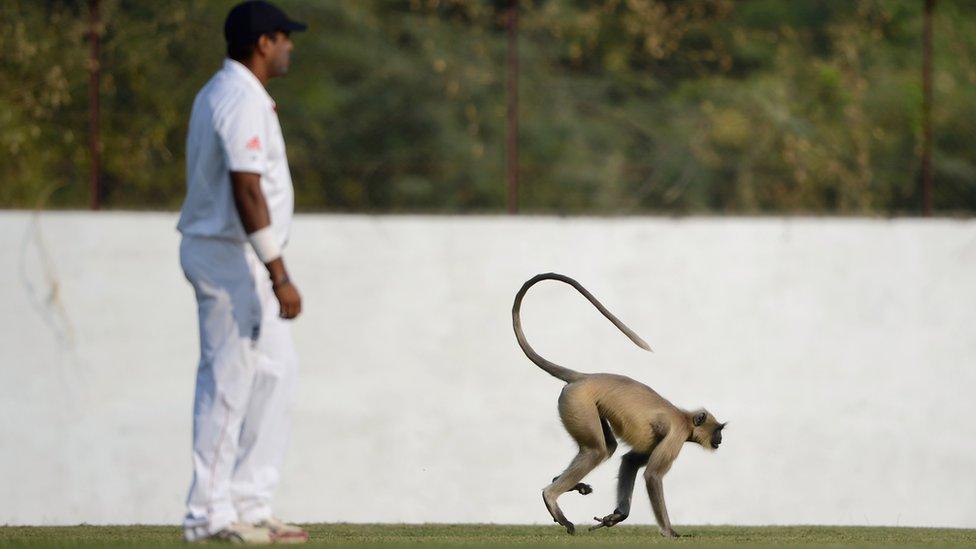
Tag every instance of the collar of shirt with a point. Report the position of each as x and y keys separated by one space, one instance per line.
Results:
x=240 y=71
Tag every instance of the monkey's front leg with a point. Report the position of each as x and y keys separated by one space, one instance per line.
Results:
x=658 y=465
x=655 y=489
x=629 y=465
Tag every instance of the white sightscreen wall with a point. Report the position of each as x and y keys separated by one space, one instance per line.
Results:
x=842 y=352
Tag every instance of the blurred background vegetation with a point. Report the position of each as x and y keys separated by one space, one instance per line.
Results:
x=626 y=106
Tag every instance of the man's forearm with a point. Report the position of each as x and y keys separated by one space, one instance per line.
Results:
x=276 y=268
x=253 y=211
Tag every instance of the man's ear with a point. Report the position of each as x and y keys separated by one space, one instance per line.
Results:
x=264 y=44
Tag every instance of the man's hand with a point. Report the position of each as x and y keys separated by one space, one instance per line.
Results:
x=289 y=302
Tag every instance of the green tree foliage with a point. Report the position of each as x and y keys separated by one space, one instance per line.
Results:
x=626 y=106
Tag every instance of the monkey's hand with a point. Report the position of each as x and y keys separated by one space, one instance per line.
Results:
x=609 y=520
x=669 y=533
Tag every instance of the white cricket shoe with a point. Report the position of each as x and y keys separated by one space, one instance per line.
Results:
x=237 y=533
x=282 y=532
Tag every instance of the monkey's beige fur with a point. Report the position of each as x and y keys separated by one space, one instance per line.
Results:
x=595 y=407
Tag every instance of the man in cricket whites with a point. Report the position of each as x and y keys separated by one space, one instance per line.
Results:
x=235 y=223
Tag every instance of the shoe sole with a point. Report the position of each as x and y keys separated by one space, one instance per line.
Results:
x=290 y=538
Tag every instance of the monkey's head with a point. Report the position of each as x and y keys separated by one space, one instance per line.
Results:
x=706 y=430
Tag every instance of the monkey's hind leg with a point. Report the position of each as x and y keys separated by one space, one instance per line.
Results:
x=584 y=462
x=582 y=421
x=611 y=442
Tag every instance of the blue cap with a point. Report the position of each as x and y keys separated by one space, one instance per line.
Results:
x=247 y=21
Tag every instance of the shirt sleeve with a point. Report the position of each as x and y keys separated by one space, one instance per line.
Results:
x=243 y=133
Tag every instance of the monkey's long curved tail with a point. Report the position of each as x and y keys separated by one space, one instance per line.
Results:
x=552 y=368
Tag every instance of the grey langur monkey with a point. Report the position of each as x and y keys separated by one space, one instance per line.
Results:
x=595 y=407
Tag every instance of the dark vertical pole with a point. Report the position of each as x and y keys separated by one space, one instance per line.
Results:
x=93 y=135
x=927 y=110
x=511 y=147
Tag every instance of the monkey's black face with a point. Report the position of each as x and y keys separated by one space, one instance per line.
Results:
x=717 y=437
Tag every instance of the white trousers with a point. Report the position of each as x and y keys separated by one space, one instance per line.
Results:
x=246 y=381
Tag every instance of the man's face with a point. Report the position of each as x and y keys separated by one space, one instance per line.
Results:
x=277 y=52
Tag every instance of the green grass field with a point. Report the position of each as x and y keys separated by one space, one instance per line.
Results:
x=444 y=535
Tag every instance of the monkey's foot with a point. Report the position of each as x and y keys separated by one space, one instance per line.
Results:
x=558 y=516
x=584 y=489
x=609 y=520
x=670 y=533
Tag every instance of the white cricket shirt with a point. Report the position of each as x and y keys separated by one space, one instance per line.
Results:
x=234 y=127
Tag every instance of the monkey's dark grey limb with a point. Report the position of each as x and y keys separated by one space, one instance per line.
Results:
x=629 y=465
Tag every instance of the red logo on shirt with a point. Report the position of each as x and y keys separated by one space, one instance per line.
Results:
x=254 y=144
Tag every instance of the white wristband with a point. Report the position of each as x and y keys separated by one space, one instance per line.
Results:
x=265 y=244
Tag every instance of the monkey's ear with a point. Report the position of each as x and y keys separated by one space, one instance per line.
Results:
x=699 y=419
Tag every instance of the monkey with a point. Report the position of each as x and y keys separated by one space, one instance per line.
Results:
x=597 y=408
